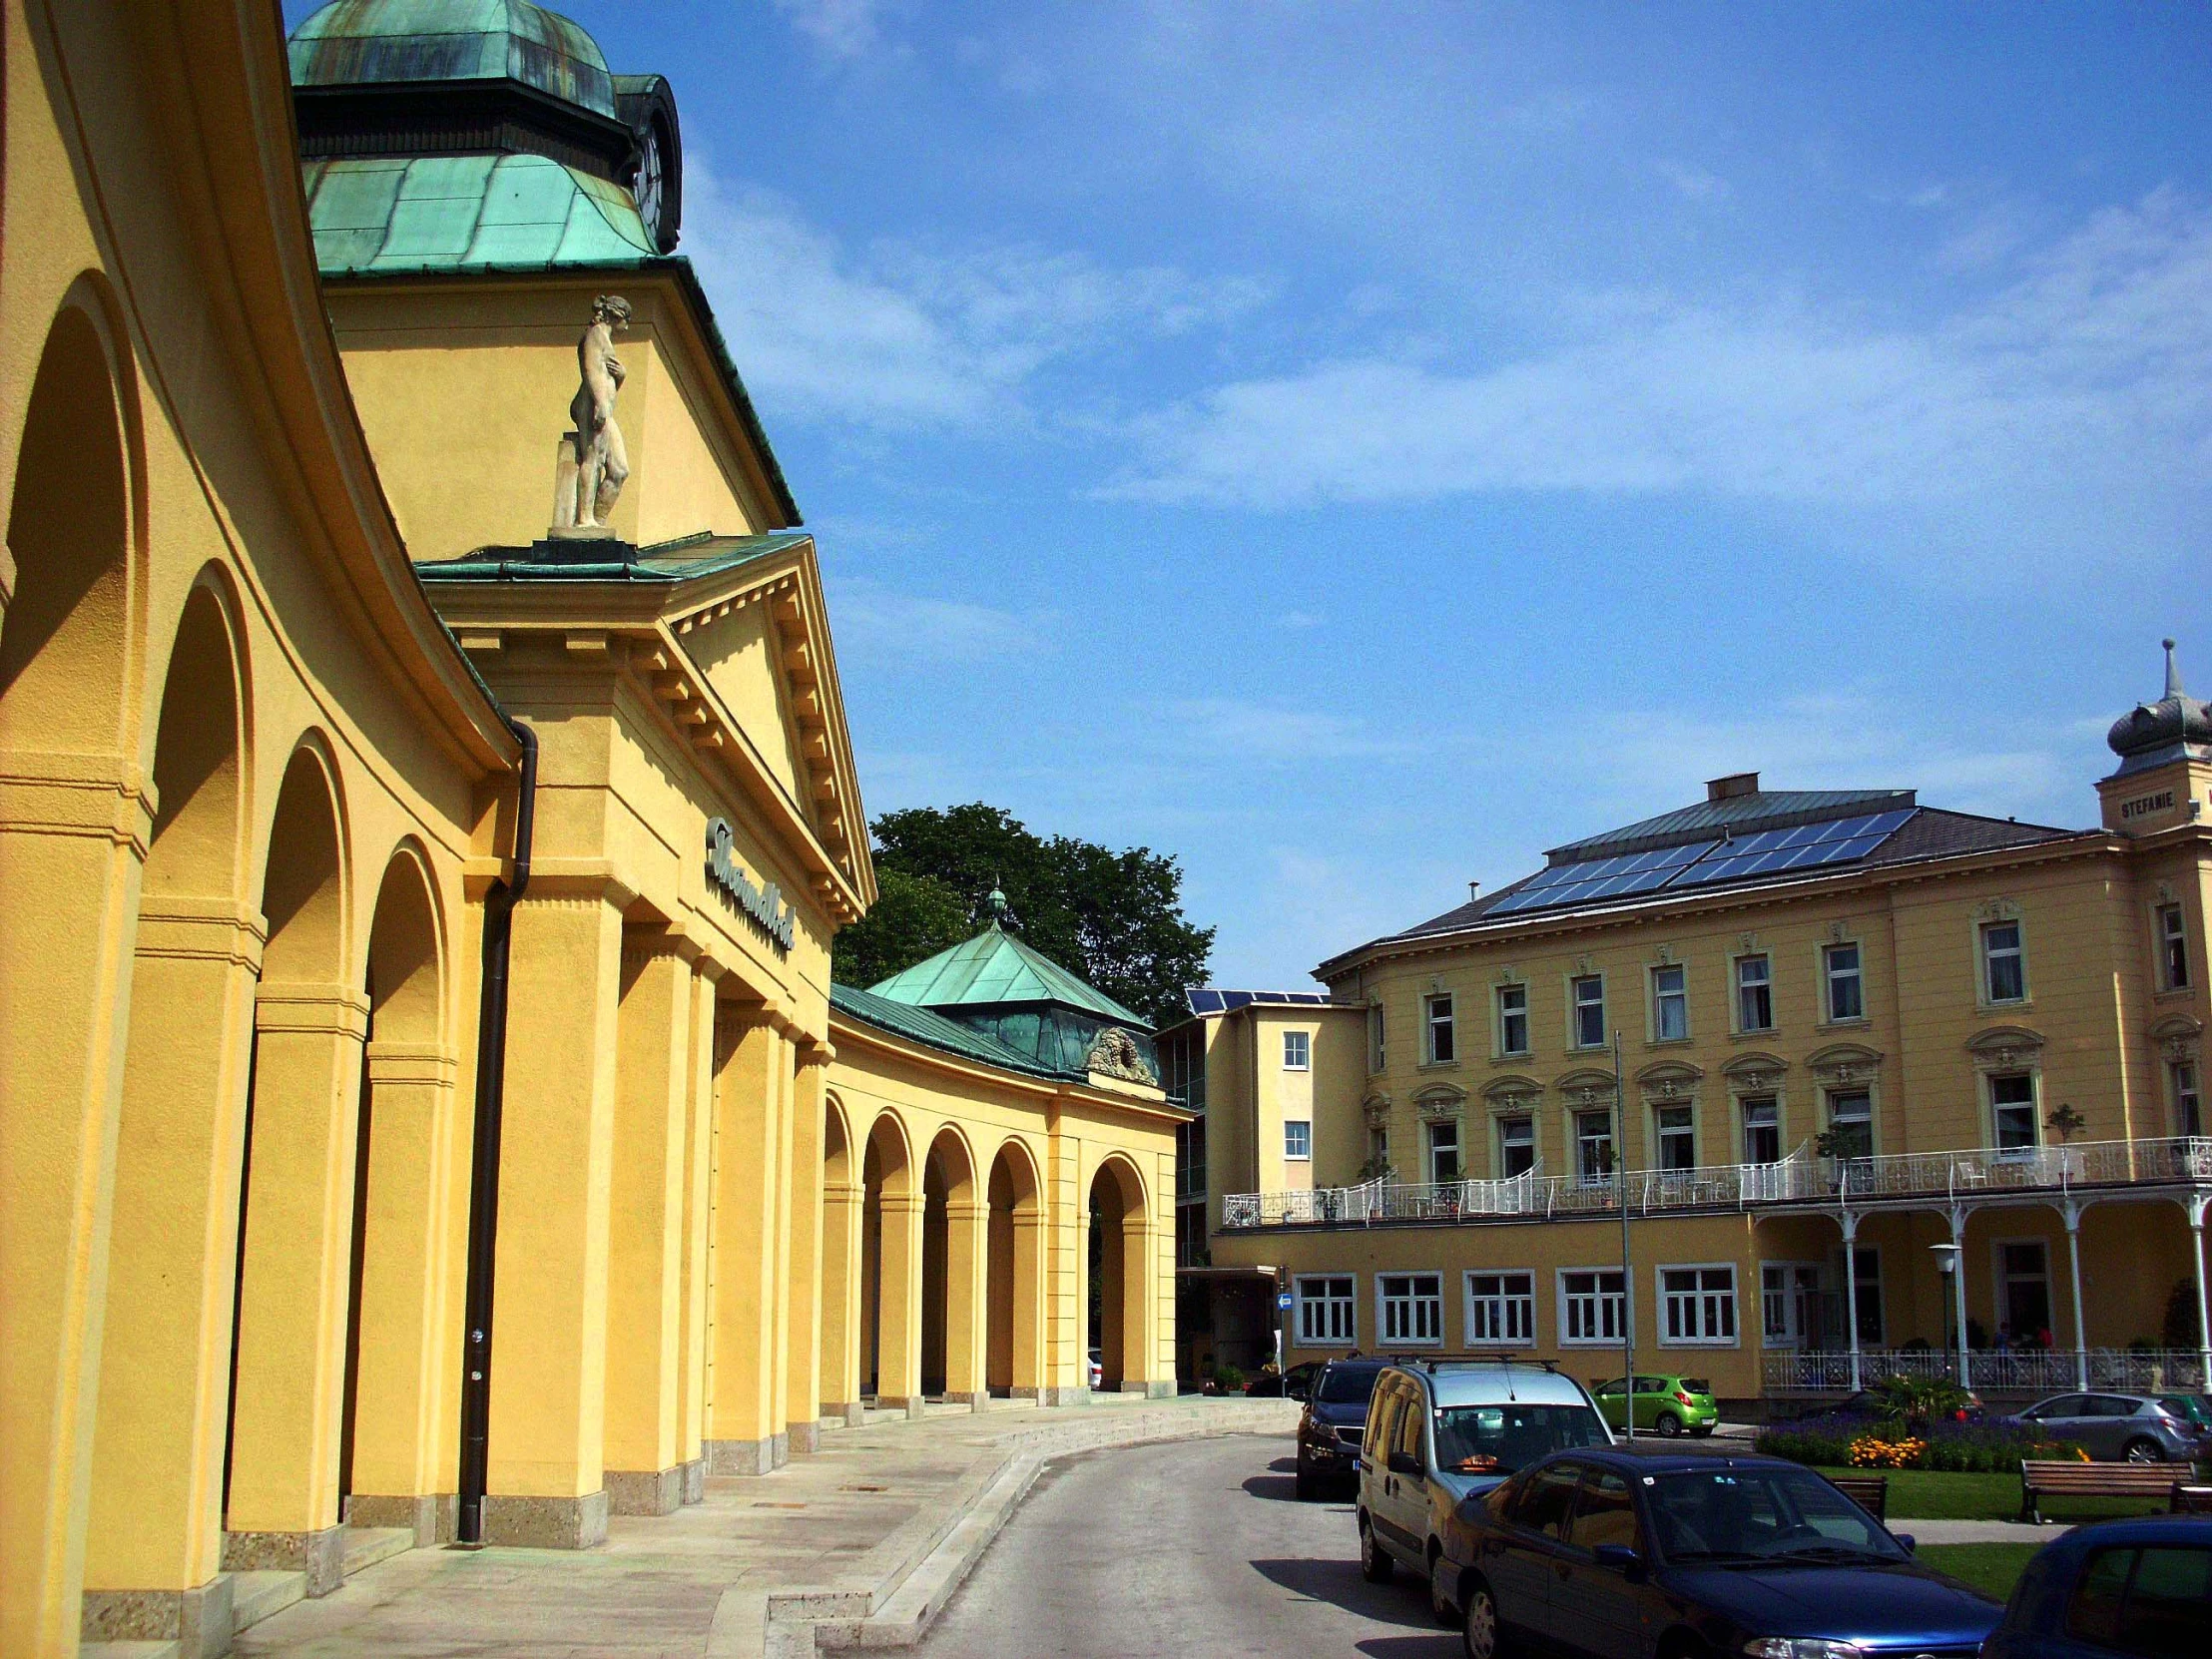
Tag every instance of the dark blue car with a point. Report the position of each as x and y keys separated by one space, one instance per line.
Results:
x=1333 y=1423
x=1618 y=1555
x=2139 y=1588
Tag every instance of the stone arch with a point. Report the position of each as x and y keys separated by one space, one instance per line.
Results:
x=1120 y=1253
x=1014 y=1277
x=952 y=1260
x=890 y=1264
x=396 y=1380
x=156 y=1521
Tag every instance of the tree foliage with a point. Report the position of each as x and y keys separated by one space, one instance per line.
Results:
x=1114 y=919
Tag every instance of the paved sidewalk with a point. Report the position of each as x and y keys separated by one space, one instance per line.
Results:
x=857 y=1545
x=1976 y=1531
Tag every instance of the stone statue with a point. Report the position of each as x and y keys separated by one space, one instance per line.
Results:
x=593 y=464
x=1114 y=1053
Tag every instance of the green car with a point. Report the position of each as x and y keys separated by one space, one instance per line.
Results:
x=1664 y=1405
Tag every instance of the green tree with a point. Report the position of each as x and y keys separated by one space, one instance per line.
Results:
x=1114 y=919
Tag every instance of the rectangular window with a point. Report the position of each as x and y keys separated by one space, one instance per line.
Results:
x=1868 y=1268
x=1589 y=1011
x=1697 y=1306
x=1501 y=1307
x=1589 y=1307
x=1677 y=1138
x=1443 y=1152
x=1378 y=1149
x=1327 y=1313
x=1845 y=993
x=2012 y=1111
x=1513 y=1019
x=1593 y=1139
x=2188 y=1109
x=1412 y=1307
x=1376 y=1054
x=1298 y=1051
x=1754 y=994
x=2003 y=969
x=2173 y=948
x=1850 y=1123
x=1442 y=1039
x=1670 y=1004
x=1777 y=1304
x=1298 y=1138
x=1516 y=1145
x=1762 y=1130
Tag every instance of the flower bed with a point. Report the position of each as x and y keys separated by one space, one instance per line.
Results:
x=1841 y=1440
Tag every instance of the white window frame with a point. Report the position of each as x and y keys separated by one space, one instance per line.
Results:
x=1744 y=1105
x=1791 y=1333
x=1582 y=1175
x=1378 y=1039
x=1298 y=1051
x=1528 y=1119
x=1833 y=979
x=1870 y=1279
x=1410 y=1308
x=1764 y=983
x=1507 y=1016
x=1459 y=1151
x=1660 y=1135
x=1513 y=1314
x=1680 y=995
x=1298 y=1133
x=2017 y=951
x=2171 y=924
x=1604 y=1306
x=1577 y=1005
x=1326 y=1307
x=2033 y=1105
x=1866 y=1094
x=1705 y=1301
x=2001 y=1279
x=1447 y=1027
x=2186 y=1085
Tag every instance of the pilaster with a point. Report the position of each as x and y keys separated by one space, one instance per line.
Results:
x=804 y=1298
x=745 y=1433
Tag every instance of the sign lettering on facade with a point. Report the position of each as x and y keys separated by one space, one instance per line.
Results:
x=2146 y=804
x=765 y=905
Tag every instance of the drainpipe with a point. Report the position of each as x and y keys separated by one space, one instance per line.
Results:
x=483 y=1197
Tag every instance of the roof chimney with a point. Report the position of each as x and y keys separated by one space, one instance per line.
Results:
x=1475 y=891
x=1735 y=784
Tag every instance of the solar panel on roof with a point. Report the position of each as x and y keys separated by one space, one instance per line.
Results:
x=1209 y=1000
x=1593 y=878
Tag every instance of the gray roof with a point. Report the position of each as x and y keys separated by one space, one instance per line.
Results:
x=1759 y=809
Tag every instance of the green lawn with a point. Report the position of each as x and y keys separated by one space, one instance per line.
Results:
x=1927 y=1494
x=1991 y=1568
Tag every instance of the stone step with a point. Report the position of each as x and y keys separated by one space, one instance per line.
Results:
x=254 y=1596
x=367 y=1545
x=129 y=1650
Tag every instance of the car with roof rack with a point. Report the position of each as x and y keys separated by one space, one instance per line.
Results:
x=1445 y=1427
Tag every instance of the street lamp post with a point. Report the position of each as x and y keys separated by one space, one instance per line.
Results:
x=1955 y=1305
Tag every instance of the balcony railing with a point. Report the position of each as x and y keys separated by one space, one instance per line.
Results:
x=1801 y=1178
x=2042 y=1371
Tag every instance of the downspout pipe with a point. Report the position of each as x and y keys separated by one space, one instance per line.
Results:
x=483 y=1197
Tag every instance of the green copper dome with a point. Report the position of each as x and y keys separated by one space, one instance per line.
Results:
x=355 y=42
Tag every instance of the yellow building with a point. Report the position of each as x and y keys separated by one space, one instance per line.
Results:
x=422 y=1097
x=1881 y=1087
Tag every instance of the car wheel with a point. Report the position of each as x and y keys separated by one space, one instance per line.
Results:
x=1478 y=1629
x=1668 y=1424
x=1374 y=1561
x=2143 y=1450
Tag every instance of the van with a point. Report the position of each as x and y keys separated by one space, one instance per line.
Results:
x=1440 y=1430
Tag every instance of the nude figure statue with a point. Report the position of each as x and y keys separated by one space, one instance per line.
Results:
x=602 y=465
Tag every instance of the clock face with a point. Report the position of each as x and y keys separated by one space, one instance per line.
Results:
x=646 y=185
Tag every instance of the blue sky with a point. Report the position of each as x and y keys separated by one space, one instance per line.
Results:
x=1354 y=447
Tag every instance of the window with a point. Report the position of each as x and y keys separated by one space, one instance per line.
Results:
x=1298 y=1138
x=1516 y=1145
x=1379 y=1148
x=2188 y=1110
x=1850 y=1123
x=1762 y=1130
x=1593 y=1138
x=1589 y=1011
x=1789 y=1303
x=1589 y=1307
x=1436 y=1020
x=1754 y=994
x=1697 y=1305
x=1412 y=1307
x=1501 y=1307
x=2148 y=1603
x=2173 y=949
x=1677 y=1138
x=2012 y=1111
x=1846 y=997
x=1326 y=1313
x=1375 y=1053
x=2003 y=969
x=1605 y=1514
x=2023 y=1290
x=1444 y=1151
x=1298 y=1051
x=1513 y=1019
x=1670 y=1004
x=1547 y=1503
x=1867 y=1271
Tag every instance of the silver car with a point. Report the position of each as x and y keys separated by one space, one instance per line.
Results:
x=2117 y=1428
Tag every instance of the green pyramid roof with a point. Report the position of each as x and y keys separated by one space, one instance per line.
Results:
x=995 y=968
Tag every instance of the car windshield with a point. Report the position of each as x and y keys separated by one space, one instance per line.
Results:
x=1346 y=1385
x=1764 y=1514
x=1497 y=1439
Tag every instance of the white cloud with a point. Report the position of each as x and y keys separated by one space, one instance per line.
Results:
x=878 y=624
x=1692 y=181
x=841 y=28
x=1227 y=726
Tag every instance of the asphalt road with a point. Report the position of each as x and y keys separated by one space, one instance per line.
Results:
x=1198 y=1548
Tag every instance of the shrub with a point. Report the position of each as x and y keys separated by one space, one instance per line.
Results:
x=1841 y=1440
x=1229 y=1380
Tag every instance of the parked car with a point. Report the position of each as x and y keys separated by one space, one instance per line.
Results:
x=1441 y=1431
x=2133 y=1428
x=1665 y=1406
x=1333 y=1423
x=2143 y=1588
x=1295 y=1384
x=1620 y=1554
x=1098 y=1368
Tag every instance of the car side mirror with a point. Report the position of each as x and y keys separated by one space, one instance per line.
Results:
x=1617 y=1556
x=1907 y=1542
x=1298 y=1391
x=1405 y=1462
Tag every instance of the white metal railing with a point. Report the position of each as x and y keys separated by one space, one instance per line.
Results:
x=2011 y=1371
x=1802 y=1178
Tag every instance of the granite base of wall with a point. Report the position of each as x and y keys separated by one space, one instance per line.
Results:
x=198 y=1621
x=915 y=1409
x=547 y=1523
x=695 y=1481
x=1063 y=1397
x=805 y=1439
x=320 y=1554
x=433 y=1517
x=741 y=1457
x=645 y=1492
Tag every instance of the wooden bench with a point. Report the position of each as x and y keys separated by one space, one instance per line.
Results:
x=2040 y=1479
x=1870 y=1491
